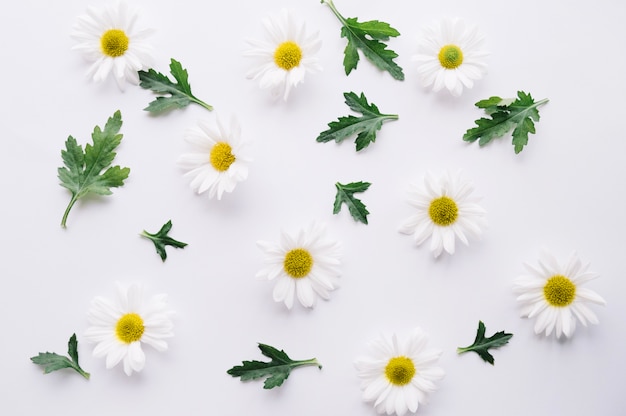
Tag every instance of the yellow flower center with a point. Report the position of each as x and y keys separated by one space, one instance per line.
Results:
x=559 y=291
x=443 y=211
x=129 y=328
x=400 y=370
x=114 y=43
x=450 y=56
x=287 y=55
x=298 y=263
x=221 y=156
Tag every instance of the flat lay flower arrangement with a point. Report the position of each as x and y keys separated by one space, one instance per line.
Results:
x=308 y=238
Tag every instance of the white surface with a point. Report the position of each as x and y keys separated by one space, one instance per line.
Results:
x=564 y=191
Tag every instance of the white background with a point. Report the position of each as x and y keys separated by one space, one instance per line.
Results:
x=565 y=191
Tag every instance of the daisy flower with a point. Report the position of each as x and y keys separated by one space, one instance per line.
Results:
x=553 y=293
x=444 y=209
x=304 y=266
x=285 y=56
x=119 y=327
x=109 y=40
x=399 y=376
x=220 y=159
x=451 y=55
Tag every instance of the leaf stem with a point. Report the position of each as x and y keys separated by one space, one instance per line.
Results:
x=330 y=4
x=82 y=372
x=202 y=103
x=312 y=361
x=67 y=210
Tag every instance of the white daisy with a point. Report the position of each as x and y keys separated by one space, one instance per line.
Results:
x=120 y=326
x=220 y=159
x=451 y=55
x=108 y=38
x=304 y=266
x=397 y=376
x=285 y=56
x=445 y=209
x=553 y=294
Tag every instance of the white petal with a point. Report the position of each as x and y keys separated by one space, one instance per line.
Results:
x=305 y=292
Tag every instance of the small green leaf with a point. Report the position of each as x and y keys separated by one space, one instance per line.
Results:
x=368 y=37
x=180 y=95
x=52 y=361
x=345 y=195
x=365 y=127
x=83 y=172
x=275 y=371
x=161 y=239
x=518 y=115
x=489 y=102
x=482 y=345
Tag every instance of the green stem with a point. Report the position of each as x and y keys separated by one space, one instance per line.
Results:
x=202 y=103
x=67 y=210
x=335 y=11
x=82 y=372
x=312 y=361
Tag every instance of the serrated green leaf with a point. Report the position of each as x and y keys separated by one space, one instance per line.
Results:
x=365 y=127
x=373 y=28
x=83 y=171
x=345 y=195
x=180 y=95
x=51 y=361
x=275 y=371
x=482 y=345
x=489 y=102
x=162 y=239
x=368 y=37
x=506 y=115
x=72 y=348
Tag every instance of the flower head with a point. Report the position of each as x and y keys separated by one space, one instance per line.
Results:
x=119 y=327
x=304 y=266
x=109 y=40
x=398 y=376
x=285 y=56
x=445 y=210
x=450 y=55
x=220 y=159
x=553 y=293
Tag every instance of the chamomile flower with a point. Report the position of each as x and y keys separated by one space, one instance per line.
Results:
x=553 y=294
x=451 y=55
x=220 y=159
x=398 y=376
x=120 y=326
x=285 y=56
x=305 y=266
x=108 y=38
x=445 y=210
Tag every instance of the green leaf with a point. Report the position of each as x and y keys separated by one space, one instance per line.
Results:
x=83 y=172
x=180 y=95
x=482 y=345
x=275 y=371
x=368 y=37
x=345 y=195
x=365 y=126
x=52 y=361
x=489 y=102
x=517 y=114
x=161 y=239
